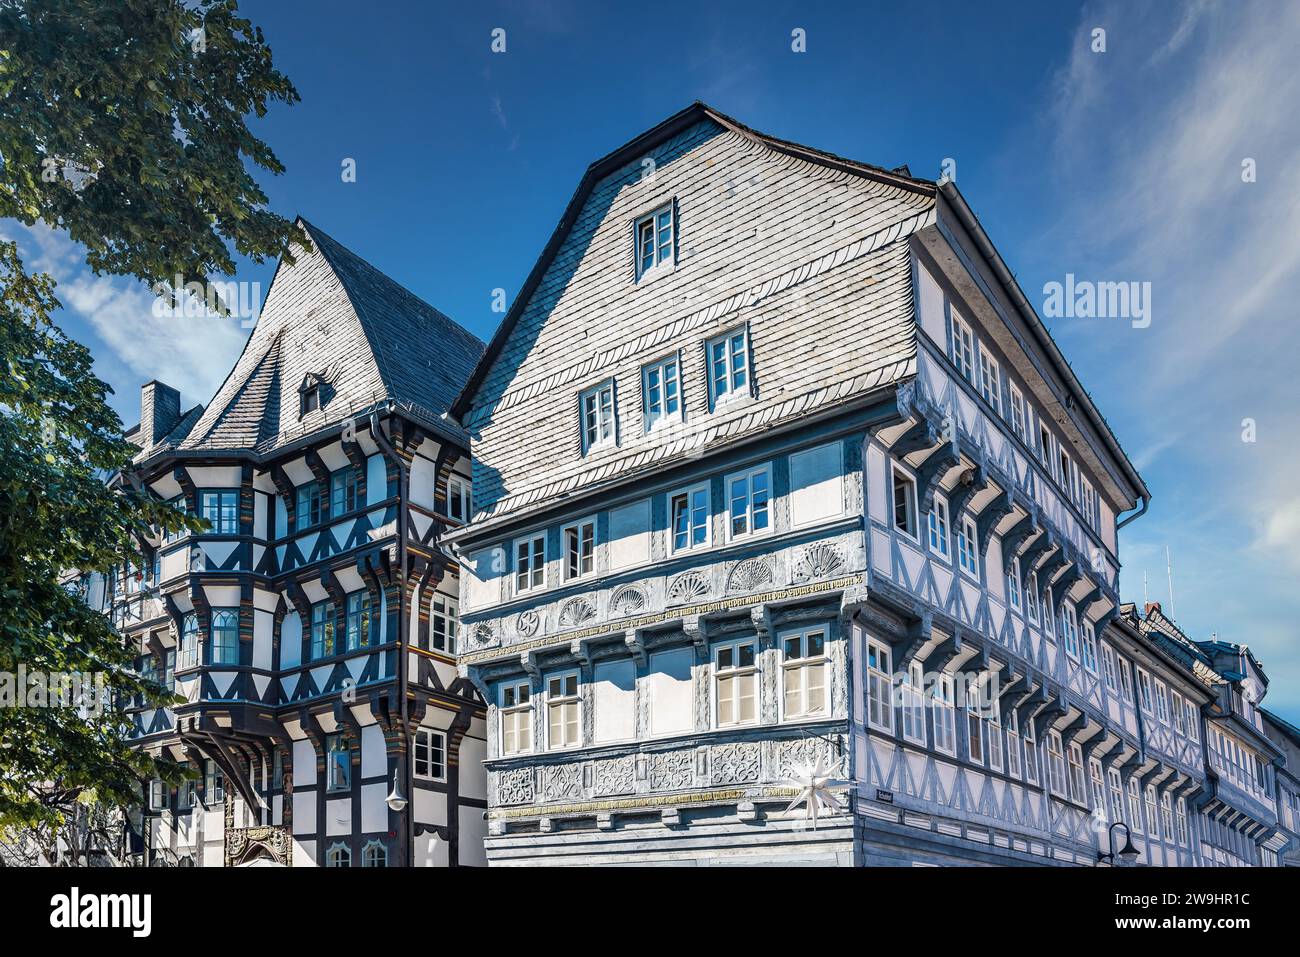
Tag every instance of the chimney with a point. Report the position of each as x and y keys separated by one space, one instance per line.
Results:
x=1146 y=613
x=160 y=410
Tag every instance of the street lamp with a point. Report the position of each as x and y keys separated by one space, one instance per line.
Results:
x=1128 y=852
x=397 y=800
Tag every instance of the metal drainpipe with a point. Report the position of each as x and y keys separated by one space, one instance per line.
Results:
x=403 y=624
x=1146 y=500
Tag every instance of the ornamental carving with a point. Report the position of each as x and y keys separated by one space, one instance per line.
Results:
x=792 y=756
x=249 y=843
x=481 y=634
x=628 y=600
x=515 y=787
x=528 y=622
x=819 y=560
x=753 y=574
x=576 y=611
x=734 y=763
x=561 y=782
x=671 y=770
x=615 y=776
x=688 y=587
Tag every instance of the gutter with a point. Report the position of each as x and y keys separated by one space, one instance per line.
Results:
x=1142 y=510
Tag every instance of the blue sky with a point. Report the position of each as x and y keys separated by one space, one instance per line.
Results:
x=1122 y=165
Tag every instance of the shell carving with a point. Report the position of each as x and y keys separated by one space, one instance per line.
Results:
x=818 y=561
x=576 y=611
x=750 y=575
x=688 y=586
x=628 y=600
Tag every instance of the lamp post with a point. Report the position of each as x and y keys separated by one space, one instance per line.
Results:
x=1128 y=853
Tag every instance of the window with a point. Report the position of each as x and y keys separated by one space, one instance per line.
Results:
x=1018 y=421
x=157 y=795
x=654 y=240
x=225 y=637
x=1144 y=690
x=1193 y=725
x=1055 y=764
x=728 y=358
x=1088 y=647
x=803 y=673
x=338 y=855
x=1108 y=667
x=458 y=498
x=945 y=719
x=1179 y=711
x=1031 y=596
x=913 y=705
x=598 y=426
x=1013 y=744
x=1162 y=702
x=1031 y=754
x=1126 y=680
x=562 y=707
x=1152 y=819
x=880 y=683
x=322 y=630
x=1069 y=631
x=963 y=348
x=939 y=527
x=1098 y=787
x=974 y=730
x=747 y=497
x=374 y=855
x=178 y=503
x=220 y=509
x=1065 y=470
x=994 y=727
x=189 y=642
x=990 y=386
x=530 y=562
x=1134 y=805
x=1077 y=793
x=1116 y=796
x=185 y=792
x=338 y=764
x=443 y=632
x=343 y=492
x=735 y=676
x=310 y=510
x=690 y=517
x=214 y=784
x=1182 y=822
x=358 y=621
x=277 y=770
x=662 y=392
x=168 y=676
x=904 y=503
x=310 y=400
x=1047 y=613
x=516 y=718
x=1045 y=447
x=967 y=556
x=579 y=549
x=1167 y=816
x=430 y=755
x=1013 y=582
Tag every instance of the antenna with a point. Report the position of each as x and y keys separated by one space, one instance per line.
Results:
x=1169 y=567
x=1145 y=600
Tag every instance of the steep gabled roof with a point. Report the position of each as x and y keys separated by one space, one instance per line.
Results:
x=333 y=318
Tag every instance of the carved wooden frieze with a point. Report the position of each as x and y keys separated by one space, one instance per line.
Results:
x=687 y=587
x=628 y=600
x=561 y=782
x=515 y=786
x=734 y=763
x=577 y=611
x=615 y=776
x=671 y=770
x=752 y=574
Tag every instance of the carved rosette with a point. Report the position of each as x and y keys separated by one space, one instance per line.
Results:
x=818 y=560
x=528 y=622
x=481 y=635
x=687 y=587
x=753 y=574
x=628 y=600
x=577 y=611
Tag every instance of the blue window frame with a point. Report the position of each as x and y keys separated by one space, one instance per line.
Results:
x=654 y=239
x=220 y=509
x=343 y=491
x=189 y=657
x=322 y=629
x=728 y=358
x=312 y=505
x=358 y=621
x=689 y=514
x=661 y=386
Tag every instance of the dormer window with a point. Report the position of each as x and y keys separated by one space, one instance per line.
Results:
x=311 y=399
x=312 y=394
x=654 y=240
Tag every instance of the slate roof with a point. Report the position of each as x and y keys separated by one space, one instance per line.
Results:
x=339 y=319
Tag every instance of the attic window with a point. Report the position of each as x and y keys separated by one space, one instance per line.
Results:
x=311 y=394
x=310 y=399
x=654 y=240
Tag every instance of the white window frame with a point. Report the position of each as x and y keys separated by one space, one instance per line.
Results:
x=598 y=432
x=1013 y=744
x=157 y=795
x=1153 y=812
x=530 y=541
x=665 y=416
x=1167 y=816
x=968 y=557
x=937 y=529
x=563 y=702
x=880 y=686
x=660 y=263
x=944 y=711
x=338 y=776
x=1057 y=780
x=751 y=510
x=1126 y=679
x=1177 y=710
x=807 y=671
x=520 y=711
x=1115 y=794
x=913 y=705
x=1033 y=601
x=1088 y=645
x=1019 y=420
x=962 y=345
x=1078 y=782
x=1015 y=591
x=1146 y=698
x=990 y=390
x=975 y=733
x=458 y=492
x=738 y=372
x=1110 y=671
x=1096 y=777
x=578 y=528
x=1162 y=701
x=1070 y=629
x=911 y=504
x=690 y=492
x=338 y=855
x=1180 y=822
x=735 y=672
x=1031 y=755
x=429 y=736
x=1135 y=805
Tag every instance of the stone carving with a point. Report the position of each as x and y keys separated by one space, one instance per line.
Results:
x=628 y=600
x=734 y=763
x=753 y=574
x=515 y=786
x=687 y=587
x=244 y=843
x=615 y=776
x=481 y=634
x=818 y=560
x=576 y=611
x=671 y=770
x=528 y=622
x=792 y=755
x=561 y=782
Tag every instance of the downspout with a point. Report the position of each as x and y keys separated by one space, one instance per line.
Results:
x=1142 y=510
x=403 y=624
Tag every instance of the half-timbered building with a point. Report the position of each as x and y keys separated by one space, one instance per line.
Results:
x=779 y=478
x=311 y=629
